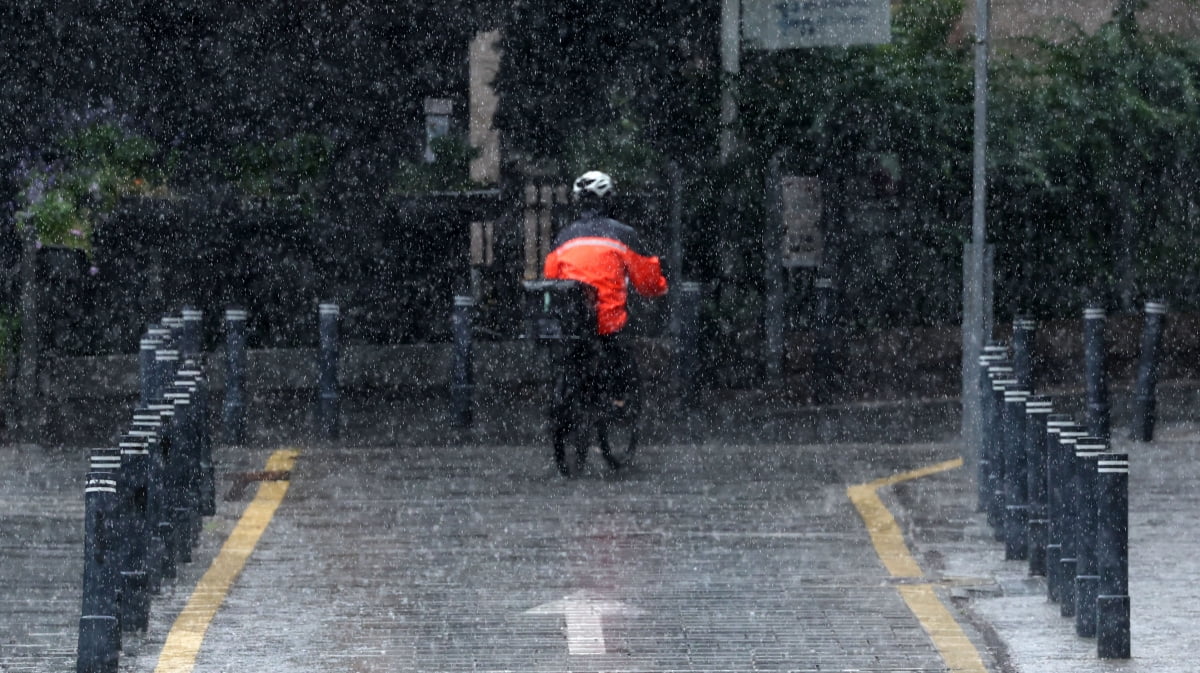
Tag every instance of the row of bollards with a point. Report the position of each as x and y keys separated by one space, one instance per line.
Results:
x=144 y=498
x=1052 y=489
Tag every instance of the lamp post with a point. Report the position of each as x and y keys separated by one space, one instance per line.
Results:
x=977 y=317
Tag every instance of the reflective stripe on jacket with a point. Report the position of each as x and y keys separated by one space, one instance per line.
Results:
x=603 y=253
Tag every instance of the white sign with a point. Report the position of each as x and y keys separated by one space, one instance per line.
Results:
x=788 y=24
x=584 y=612
x=800 y=199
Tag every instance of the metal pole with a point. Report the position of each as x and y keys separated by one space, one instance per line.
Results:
x=676 y=261
x=976 y=308
x=686 y=342
x=1147 y=374
x=1112 y=556
x=462 y=377
x=327 y=371
x=1094 y=371
x=731 y=48
x=773 y=273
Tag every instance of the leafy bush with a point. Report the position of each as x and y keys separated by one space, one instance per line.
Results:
x=450 y=171
x=98 y=164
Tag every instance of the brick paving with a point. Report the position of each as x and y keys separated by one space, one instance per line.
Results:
x=1026 y=630
x=462 y=555
x=716 y=559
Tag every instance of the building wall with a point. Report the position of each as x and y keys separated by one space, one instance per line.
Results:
x=1050 y=18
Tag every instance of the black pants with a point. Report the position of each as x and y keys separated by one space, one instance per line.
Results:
x=604 y=365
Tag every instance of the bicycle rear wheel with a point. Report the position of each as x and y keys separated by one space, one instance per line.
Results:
x=618 y=426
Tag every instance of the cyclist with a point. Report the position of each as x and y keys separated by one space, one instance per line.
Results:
x=606 y=254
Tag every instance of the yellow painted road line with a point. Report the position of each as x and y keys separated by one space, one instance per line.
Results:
x=956 y=649
x=187 y=634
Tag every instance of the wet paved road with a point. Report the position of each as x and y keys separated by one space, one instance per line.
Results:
x=709 y=558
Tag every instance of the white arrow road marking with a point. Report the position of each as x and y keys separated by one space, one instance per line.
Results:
x=584 y=612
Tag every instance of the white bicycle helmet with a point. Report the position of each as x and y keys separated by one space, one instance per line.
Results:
x=595 y=183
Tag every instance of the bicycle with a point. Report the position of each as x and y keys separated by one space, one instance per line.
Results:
x=585 y=402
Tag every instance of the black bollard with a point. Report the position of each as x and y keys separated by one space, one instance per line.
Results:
x=1147 y=373
x=146 y=368
x=1023 y=356
x=1094 y=350
x=327 y=372
x=993 y=353
x=1038 y=409
x=1055 y=495
x=1001 y=375
x=686 y=345
x=823 y=358
x=135 y=595
x=1070 y=512
x=1112 y=556
x=462 y=385
x=99 y=632
x=233 y=411
x=1087 y=578
x=144 y=430
x=1016 y=477
x=166 y=361
x=164 y=506
x=206 y=478
x=108 y=461
x=181 y=475
x=191 y=337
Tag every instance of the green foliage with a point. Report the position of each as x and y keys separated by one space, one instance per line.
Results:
x=1096 y=146
x=101 y=163
x=295 y=166
x=448 y=172
x=617 y=149
x=10 y=335
x=573 y=69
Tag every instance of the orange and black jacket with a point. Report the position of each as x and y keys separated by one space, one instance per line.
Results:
x=603 y=253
